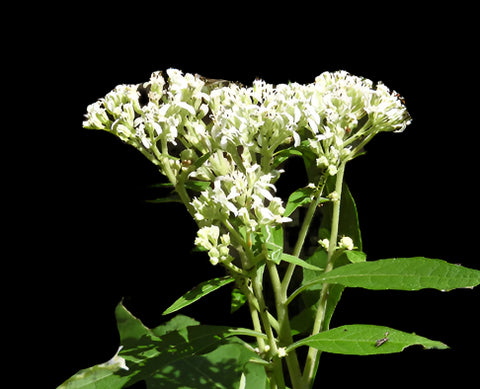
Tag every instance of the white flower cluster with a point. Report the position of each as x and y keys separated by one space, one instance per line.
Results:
x=237 y=130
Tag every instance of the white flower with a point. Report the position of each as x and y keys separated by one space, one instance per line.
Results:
x=207 y=237
x=346 y=243
x=325 y=243
x=334 y=196
x=96 y=116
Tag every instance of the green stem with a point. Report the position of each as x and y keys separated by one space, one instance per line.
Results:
x=313 y=354
x=284 y=335
x=279 y=380
x=302 y=236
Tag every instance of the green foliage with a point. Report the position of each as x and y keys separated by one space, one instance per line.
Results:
x=300 y=197
x=299 y=262
x=178 y=354
x=360 y=339
x=221 y=147
x=198 y=292
x=401 y=274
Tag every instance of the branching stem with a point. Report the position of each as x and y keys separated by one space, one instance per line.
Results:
x=313 y=355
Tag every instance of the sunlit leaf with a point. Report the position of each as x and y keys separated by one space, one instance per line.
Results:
x=362 y=339
x=402 y=274
x=177 y=354
x=198 y=292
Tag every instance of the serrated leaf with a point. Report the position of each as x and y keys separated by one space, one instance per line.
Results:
x=198 y=292
x=363 y=339
x=403 y=274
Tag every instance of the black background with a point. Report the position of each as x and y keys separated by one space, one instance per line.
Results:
x=85 y=238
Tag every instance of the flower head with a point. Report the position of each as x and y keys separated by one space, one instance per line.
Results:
x=222 y=137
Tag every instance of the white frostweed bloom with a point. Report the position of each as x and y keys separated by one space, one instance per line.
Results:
x=227 y=138
x=346 y=243
x=325 y=243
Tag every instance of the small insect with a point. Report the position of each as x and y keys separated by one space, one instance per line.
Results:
x=379 y=342
x=398 y=96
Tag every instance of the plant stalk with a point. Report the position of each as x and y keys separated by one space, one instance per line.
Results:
x=313 y=355
x=285 y=333
x=302 y=236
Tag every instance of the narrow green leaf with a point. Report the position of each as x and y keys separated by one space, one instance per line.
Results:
x=197 y=186
x=198 y=292
x=403 y=274
x=362 y=339
x=174 y=198
x=283 y=155
x=300 y=262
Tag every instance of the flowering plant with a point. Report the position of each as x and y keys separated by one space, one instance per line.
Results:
x=222 y=147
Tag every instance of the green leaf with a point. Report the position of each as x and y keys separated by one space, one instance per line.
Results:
x=173 y=198
x=283 y=155
x=238 y=300
x=362 y=339
x=298 y=198
x=198 y=292
x=178 y=354
x=300 y=262
x=197 y=186
x=355 y=256
x=100 y=376
x=402 y=274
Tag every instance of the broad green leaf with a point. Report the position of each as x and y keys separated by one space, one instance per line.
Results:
x=178 y=354
x=300 y=262
x=198 y=292
x=100 y=376
x=403 y=274
x=362 y=339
